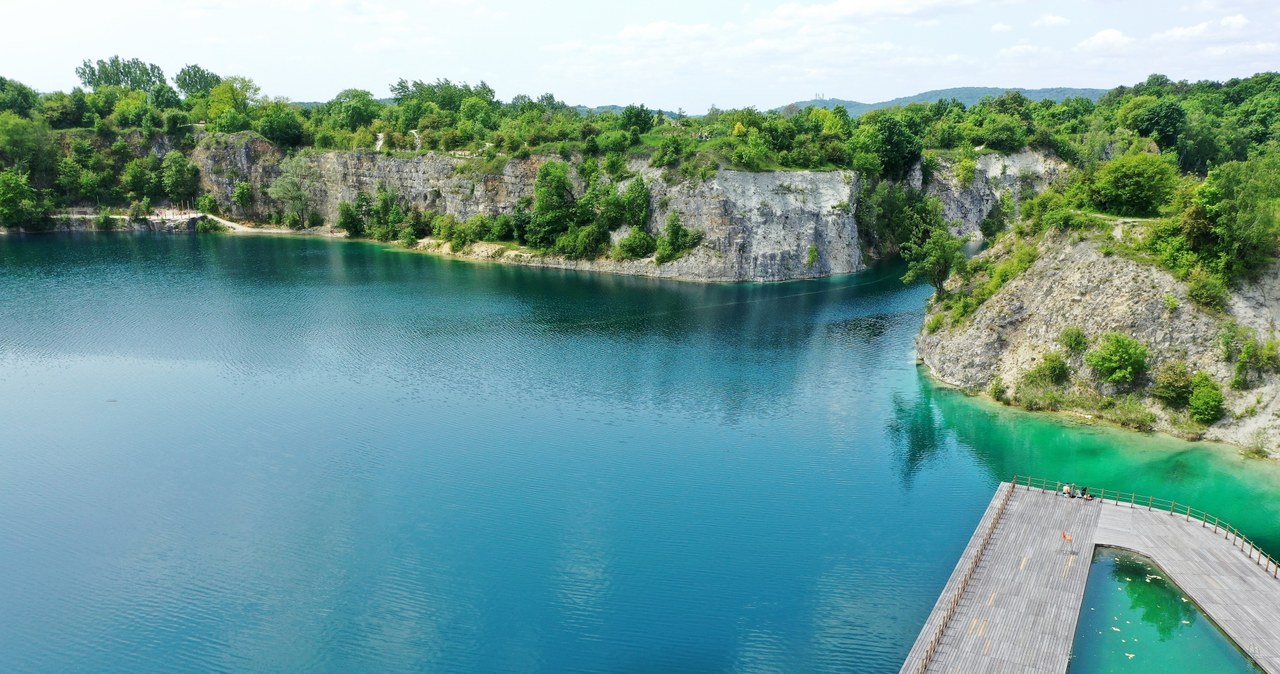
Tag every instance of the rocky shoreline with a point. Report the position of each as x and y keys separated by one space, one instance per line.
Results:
x=1079 y=283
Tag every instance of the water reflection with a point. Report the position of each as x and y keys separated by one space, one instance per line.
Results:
x=1151 y=596
x=1136 y=621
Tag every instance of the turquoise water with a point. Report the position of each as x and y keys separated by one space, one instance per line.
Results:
x=256 y=453
x=1134 y=620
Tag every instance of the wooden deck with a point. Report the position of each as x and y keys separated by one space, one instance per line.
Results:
x=1228 y=585
x=1012 y=603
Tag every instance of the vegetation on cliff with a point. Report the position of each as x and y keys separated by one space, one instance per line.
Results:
x=1183 y=177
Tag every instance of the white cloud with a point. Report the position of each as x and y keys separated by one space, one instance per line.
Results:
x=1001 y=28
x=1050 y=20
x=1234 y=22
x=1245 y=49
x=1105 y=41
x=1022 y=51
x=1205 y=30
x=1182 y=33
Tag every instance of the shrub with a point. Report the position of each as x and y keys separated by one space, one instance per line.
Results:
x=207 y=226
x=676 y=240
x=1130 y=413
x=407 y=239
x=935 y=323
x=1036 y=397
x=1073 y=340
x=1119 y=358
x=1137 y=184
x=103 y=222
x=1207 y=290
x=1053 y=370
x=207 y=204
x=997 y=388
x=1206 y=402
x=1173 y=384
x=637 y=244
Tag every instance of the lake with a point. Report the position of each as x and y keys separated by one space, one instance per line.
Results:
x=273 y=453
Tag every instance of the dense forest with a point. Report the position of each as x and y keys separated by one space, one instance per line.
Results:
x=1202 y=154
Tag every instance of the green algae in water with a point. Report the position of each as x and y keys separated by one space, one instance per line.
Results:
x=1135 y=620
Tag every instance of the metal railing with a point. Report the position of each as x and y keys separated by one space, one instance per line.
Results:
x=1132 y=500
x=954 y=604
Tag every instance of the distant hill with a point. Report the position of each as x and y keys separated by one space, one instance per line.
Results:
x=966 y=95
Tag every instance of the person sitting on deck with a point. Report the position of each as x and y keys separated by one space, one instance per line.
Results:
x=1084 y=494
x=1066 y=491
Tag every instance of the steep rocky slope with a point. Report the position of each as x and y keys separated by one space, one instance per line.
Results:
x=767 y=226
x=1074 y=282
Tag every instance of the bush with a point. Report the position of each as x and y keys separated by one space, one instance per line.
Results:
x=637 y=244
x=103 y=222
x=1119 y=359
x=997 y=388
x=1130 y=413
x=1072 y=339
x=1053 y=370
x=1207 y=290
x=1037 y=397
x=207 y=204
x=676 y=240
x=1137 y=184
x=1206 y=401
x=207 y=226
x=1173 y=384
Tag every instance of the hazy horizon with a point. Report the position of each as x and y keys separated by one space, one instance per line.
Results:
x=661 y=53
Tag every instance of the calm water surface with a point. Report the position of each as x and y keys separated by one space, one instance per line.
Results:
x=1134 y=619
x=254 y=453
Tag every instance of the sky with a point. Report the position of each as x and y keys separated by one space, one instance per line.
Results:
x=668 y=54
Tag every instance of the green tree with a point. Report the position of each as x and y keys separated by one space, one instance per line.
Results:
x=934 y=260
x=131 y=74
x=1164 y=122
x=638 y=243
x=1206 y=402
x=635 y=204
x=280 y=123
x=193 y=80
x=181 y=178
x=242 y=195
x=1136 y=184
x=294 y=189
x=553 y=205
x=897 y=147
x=1173 y=384
x=233 y=94
x=1241 y=201
x=351 y=109
x=1118 y=359
x=21 y=205
x=163 y=97
x=636 y=117
x=676 y=240
x=17 y=97
x=27 y=143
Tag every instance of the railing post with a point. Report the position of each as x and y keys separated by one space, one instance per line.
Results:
x=1150 y=499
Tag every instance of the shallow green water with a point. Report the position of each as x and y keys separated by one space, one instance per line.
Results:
x=292 y=454
x=1134 y=620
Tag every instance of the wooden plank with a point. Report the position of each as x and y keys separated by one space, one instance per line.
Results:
x=1020 y=586
x=1230 y=588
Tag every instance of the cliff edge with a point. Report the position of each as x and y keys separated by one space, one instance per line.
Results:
x=1081 y=285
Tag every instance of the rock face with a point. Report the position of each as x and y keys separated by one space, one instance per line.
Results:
x=769 y=226
x=994 y=174
x=1073 y=283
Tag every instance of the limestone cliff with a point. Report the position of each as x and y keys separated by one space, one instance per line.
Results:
x=769 y=226
x=969 y=201
x=1075 y=282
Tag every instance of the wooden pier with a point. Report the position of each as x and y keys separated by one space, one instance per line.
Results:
x=1012 y=603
